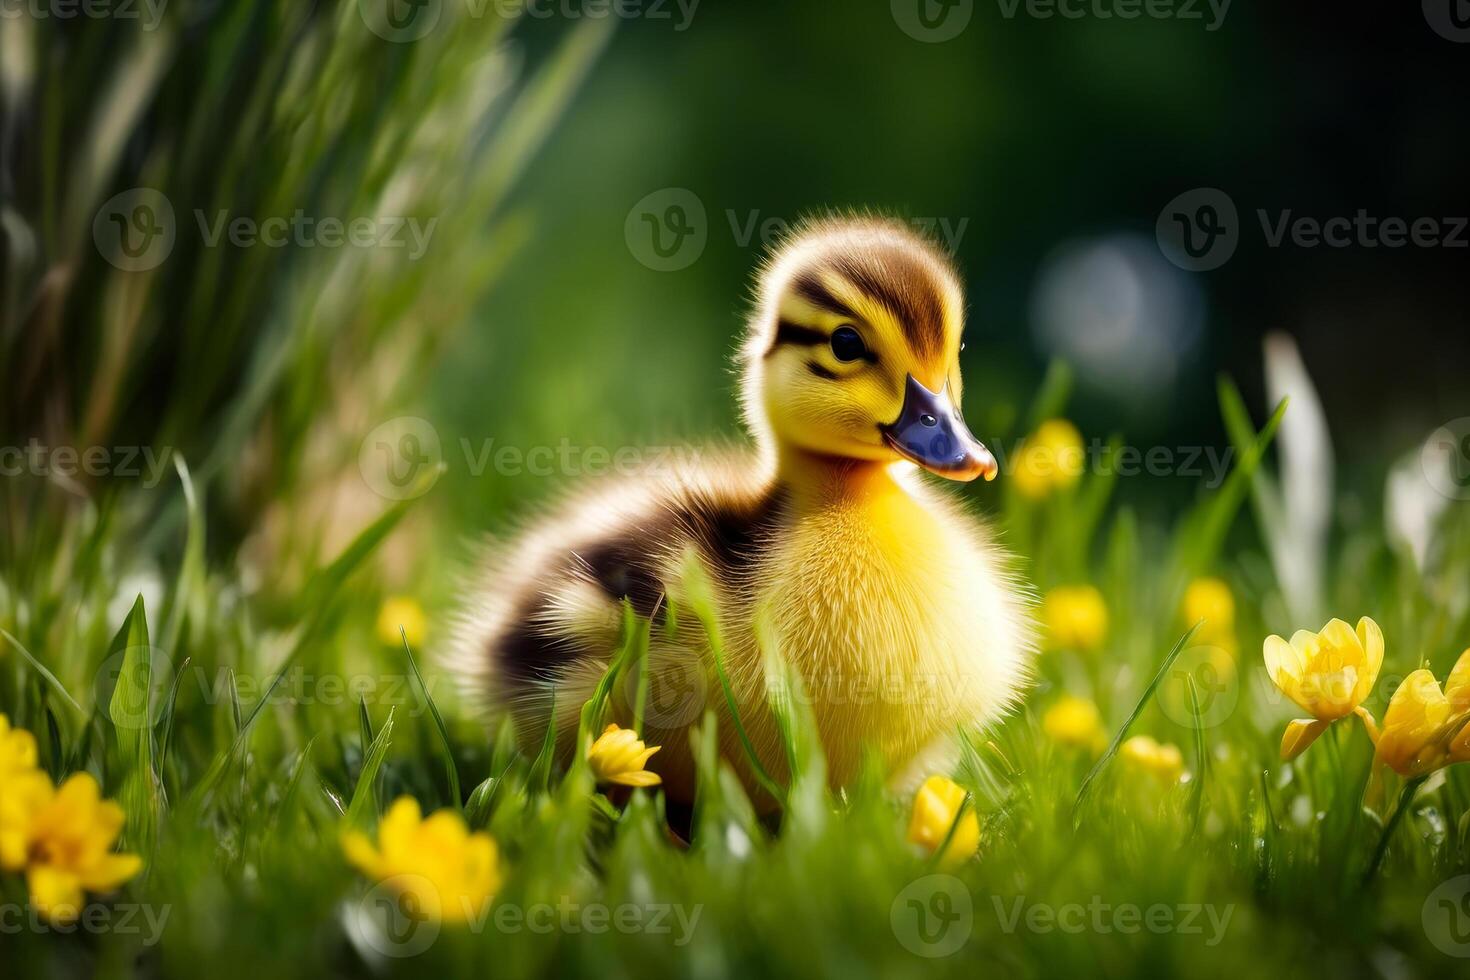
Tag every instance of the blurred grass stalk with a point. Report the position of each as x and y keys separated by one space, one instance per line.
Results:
x=261 y=363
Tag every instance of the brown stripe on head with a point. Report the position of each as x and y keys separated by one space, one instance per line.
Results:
x=910 y=284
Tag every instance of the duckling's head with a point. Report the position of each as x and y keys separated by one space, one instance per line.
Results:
x=853 y=349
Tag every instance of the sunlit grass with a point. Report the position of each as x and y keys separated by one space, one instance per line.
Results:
x=255 y=761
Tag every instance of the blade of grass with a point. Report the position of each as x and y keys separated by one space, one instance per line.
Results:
x=1406 y=797
x=129 y=712
x=167 y=725
x=1202 y=761
x=235 y=711
x=1122 y=733
x=540 y=777
x=55 y=758
x=701 y=601
x=323 y=588
x=477 y=807
x=364 y=724
x=442 y=731
x=364 y=794
x=293 y=785
x=46 y=675
x=191 y=569
x=937 y=858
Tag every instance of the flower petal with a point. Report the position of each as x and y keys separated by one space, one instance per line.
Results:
x=1340 y=635
x=109 y=872
x=56 y=894
x=1457 y=685
x=1299 y=734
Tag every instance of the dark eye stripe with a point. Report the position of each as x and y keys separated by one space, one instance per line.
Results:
x=820 y=371
x=794 y=333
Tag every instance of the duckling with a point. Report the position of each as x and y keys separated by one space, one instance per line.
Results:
x=895 y=606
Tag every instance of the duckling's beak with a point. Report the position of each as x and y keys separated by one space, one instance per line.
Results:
x=930 y=431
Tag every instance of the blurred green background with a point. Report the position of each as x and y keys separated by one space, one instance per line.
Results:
x=541 y=314
x=1039 y=140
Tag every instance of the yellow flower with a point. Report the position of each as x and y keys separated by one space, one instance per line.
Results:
x=1074 y=722
x=1076 y=617
x=1327 y=673
x=936 y=805
x=449 y=871
x=1051 y=459
x=1425 y=728
x=62 y=839
x=619 y=756
x=401 y=611
x=1162 y=761
x=1209 y=599
x=17 y=750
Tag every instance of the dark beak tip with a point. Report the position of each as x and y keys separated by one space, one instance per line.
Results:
x=929 y=432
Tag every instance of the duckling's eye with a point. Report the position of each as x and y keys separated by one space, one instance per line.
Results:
x=847 y=344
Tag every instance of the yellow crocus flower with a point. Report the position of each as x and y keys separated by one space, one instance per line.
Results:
x=17 y=750
x=936 y=805
x=62 y=839
x=1425 y=728
x=1328 y=674
x=1051 y=459
x=1210 y=600
x=619 y=756
x=1161 y=760
x=402 y=611
x=448 y=871
x=1074 y=722
x=1076 y=617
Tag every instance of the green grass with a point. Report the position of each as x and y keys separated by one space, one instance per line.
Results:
x=256 y=758
x=245 y=712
